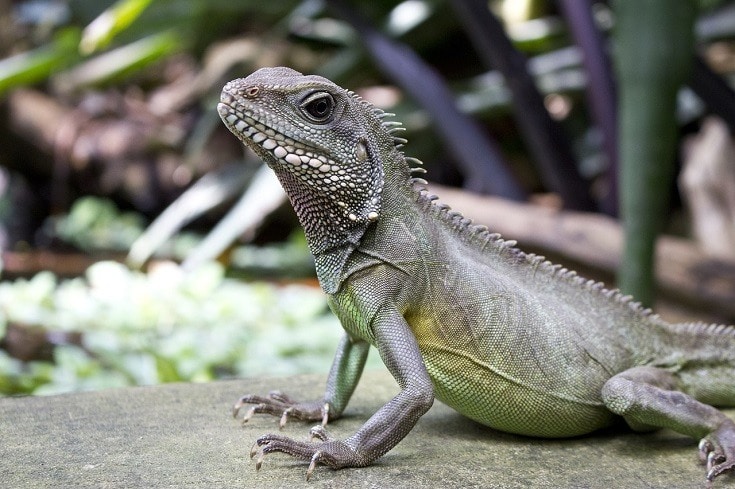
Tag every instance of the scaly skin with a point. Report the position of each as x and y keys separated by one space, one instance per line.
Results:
x=457 y=313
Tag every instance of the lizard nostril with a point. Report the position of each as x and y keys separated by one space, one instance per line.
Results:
x=252 y=91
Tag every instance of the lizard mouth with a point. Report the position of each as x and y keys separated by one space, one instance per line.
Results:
x=268 y=142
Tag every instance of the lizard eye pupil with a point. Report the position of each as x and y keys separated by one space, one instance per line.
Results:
x=319 y=106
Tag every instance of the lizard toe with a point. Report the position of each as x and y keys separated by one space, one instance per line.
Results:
x=718 y=450
x=282 y=406
x=318 y=432
x=327 y=451
x=278 y=443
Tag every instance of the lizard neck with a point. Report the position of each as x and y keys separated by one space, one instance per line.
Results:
x=330 y=238
x=331 y=242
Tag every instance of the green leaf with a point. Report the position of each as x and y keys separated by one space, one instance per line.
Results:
x=36 y=65
x=166 y=369
x=118 y=63
x=109 y=23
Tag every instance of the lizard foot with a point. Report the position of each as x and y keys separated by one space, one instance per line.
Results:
x=279 y=404
x=326 y=451
x=717 y=450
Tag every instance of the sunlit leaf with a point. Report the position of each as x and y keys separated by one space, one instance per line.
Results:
x=116 y=64
x=109 y=23
x=36 y=65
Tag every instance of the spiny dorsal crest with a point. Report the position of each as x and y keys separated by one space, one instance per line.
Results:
x=709 y=329
x=314 y=133
x=479 y=237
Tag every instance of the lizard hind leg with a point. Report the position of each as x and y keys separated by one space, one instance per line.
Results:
x=646 y=397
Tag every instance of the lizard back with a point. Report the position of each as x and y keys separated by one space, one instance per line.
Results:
x=505 y=335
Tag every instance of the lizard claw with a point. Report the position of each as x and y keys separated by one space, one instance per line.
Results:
x=253 y=452
x=261 y=406
x=325 y=414
x=279 y=404
x=319 y=433
x=705 y=447
x=284 y=417
x=326 y=451
x=259 y=461
x=312 y=465
x=717 y=450
x=248 y=414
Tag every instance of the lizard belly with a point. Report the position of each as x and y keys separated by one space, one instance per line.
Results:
x=503 y=402
x=505 y=359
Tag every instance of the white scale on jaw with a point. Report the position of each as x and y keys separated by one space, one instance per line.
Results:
x=286 y=150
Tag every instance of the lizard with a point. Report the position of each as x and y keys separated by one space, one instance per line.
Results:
x=456 y=312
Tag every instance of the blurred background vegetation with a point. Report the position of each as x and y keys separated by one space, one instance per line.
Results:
x=115 y=168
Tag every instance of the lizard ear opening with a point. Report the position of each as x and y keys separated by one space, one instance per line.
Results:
x=373 y=183
x=361 y=150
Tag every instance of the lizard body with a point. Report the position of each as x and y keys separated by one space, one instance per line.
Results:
x=457 y=313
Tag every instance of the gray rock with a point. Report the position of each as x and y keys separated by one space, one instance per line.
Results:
x=179 y=435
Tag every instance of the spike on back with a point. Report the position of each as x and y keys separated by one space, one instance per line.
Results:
x=331 y=214
x=481 y=237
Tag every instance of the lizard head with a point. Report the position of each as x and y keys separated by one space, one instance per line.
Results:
x=323 y=142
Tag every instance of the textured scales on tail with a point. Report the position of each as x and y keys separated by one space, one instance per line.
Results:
x=455 y=311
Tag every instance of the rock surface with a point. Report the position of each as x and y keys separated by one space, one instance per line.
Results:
x=180 y=435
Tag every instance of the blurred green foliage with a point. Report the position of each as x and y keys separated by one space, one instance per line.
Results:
x=116 y=327
x=105 y=42
x=37 y=64
x=163 y=326
x=97 y=224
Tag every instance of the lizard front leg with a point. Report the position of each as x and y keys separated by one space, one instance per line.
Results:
x=347 y=366
x=400 y=353
x=646 y=397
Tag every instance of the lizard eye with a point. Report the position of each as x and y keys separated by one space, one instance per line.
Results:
x=318 y=106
